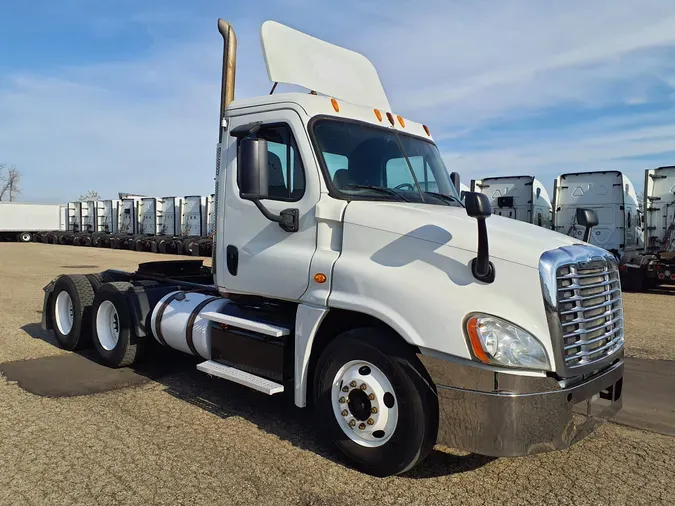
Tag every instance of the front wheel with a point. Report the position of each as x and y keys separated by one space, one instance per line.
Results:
x=24 y=237
x=376 y=401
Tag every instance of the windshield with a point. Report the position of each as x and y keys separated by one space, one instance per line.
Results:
x=365 y=161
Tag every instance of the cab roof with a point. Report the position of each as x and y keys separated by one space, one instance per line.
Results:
x=321 y=105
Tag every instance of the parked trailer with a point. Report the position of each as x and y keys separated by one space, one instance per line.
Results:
x=523 y=198
x=612 y=195
x=22 y=221
x=654 y=264
x=389 y=310
x=89 y=218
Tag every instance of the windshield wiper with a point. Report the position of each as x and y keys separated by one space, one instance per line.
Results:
x=387 y=191
x=445 y=197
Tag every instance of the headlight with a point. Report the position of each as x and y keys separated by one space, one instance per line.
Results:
x=496 y=341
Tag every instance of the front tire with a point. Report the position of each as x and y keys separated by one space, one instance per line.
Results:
x=24 y=237
x=376 y=401
x=112 y=326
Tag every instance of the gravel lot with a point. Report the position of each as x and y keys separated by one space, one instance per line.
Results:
x=184 y=438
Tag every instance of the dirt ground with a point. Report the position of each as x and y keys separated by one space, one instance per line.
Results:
x=184 y=438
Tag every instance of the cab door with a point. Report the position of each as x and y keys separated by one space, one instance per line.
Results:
x=256 y=256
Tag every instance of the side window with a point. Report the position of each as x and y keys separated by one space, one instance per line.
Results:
x=398 y=173
x=286 y=176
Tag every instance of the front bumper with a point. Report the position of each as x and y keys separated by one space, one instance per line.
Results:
x=505 y=415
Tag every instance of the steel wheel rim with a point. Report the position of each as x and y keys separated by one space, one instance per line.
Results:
x=64 y=313
x=364 y=403
x=107 y=325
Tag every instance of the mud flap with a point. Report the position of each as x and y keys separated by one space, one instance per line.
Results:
x=46 y=322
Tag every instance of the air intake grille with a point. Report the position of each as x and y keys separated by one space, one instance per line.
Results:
x=590 y=311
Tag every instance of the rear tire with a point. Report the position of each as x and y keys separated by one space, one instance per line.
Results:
x=24 y=237
x=70 y=311
x=402 y=429
x=113 y=334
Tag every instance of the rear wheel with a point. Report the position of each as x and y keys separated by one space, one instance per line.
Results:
x=114 y=337
x=24 y=237
x=373 y=396
x=70 y=311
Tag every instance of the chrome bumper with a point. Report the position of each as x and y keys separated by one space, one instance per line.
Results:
x=505 y=415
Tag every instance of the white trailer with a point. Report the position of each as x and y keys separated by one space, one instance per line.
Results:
x=387 y=308
x=612 y=196
x=127 y=223
x=523 y=198
x=22 y=220
x=655 y=263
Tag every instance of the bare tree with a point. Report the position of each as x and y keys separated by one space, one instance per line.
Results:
x=90 y=195
x=10 y=177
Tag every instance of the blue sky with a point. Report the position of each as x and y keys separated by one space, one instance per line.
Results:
x=123 y=95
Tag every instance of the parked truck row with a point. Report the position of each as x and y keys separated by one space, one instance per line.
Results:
x=348 y=273
x=179 y=225
x=640 y=233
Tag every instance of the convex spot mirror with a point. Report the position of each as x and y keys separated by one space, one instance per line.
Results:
x=477 y=205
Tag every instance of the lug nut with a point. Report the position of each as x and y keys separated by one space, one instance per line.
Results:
x=345 y=389
x=342 y=400
x=352 y=423
x=363 y=386
x=373 y=410
x=352 y=384
x=371 y=397
x=345 y=412
x=362 y=426
x=370 y=421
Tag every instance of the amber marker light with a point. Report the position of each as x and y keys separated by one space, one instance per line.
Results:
x=390 y=118
x=472 y=329
x=320 y=277
x=378 y=115
x=426 y=129
x=336 y=106
x=400 y=121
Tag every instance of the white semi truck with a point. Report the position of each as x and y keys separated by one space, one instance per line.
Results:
x=654 y=264
x=523 y=198
x=21 y=221
x=395 y=312
x=611 y=194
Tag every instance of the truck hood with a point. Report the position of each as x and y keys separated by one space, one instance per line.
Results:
x=509 y=240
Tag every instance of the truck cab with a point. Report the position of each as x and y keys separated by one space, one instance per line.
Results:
x=348 y=273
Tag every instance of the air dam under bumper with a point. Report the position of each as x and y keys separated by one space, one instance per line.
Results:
x=504 y=415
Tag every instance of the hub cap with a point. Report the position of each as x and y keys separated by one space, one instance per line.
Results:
x=64 y=313
x=107 y=325
x=364 y=403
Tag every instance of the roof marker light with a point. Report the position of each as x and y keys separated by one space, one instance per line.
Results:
x=400 y=121
x=335 y=105
x=426 y=129
x=378 y=115
x=390 y=118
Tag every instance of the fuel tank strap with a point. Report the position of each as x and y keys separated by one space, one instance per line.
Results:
x=191 y=323
x=160 y=314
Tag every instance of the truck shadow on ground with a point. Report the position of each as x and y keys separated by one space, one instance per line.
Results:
x=82 y=373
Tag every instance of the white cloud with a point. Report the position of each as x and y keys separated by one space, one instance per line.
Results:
x=147 y=124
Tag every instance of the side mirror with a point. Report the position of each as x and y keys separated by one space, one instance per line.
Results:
x=478 y=206
x=587 y=218
x=252 y=172
x=252 y=168
x=454 y=177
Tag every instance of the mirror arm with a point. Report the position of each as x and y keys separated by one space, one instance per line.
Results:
x=587 y=234
x=288 y=220
x=481 y=267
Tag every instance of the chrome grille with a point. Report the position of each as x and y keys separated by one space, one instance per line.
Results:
x=590 y=311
